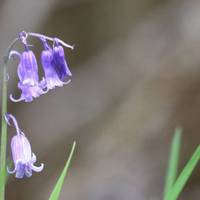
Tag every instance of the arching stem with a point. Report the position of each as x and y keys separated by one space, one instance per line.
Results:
x=3 y=172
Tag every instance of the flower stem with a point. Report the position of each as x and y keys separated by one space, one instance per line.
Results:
x=52 y=39
x=3 y=172
x=3 y=136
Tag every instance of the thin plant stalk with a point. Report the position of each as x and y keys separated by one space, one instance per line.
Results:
x=3 y=136
x=3 y=172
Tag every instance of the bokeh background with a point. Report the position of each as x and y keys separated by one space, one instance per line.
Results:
x=136 y=76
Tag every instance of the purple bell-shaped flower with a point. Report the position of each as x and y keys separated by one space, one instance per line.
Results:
x=51 y=76
x=28 y=77
x=59 y=61
x=23 y=157
x=27 y=72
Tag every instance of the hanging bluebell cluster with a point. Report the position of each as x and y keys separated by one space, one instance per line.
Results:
x=56 y=73
x=55 y=67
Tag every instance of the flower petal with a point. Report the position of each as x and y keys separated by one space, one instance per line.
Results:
x=20 y=170
x=67 y=82
x=28 y=171
x=60 y=63
x=34 y=158
x=37 y=169
x=51 y=77
x=15 y=100
x=11 y=171
x=13 y=53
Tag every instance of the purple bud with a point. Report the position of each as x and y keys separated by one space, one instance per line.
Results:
x=23 y=157
x=59 y=61
x=28 y=77
x=51 y=77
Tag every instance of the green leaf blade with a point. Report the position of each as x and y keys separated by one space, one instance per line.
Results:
x=3 y=144
x=57 y=189
x=173 y=161
x=184 y=176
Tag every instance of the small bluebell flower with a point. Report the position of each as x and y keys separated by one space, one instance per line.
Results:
x=23 y=157
x=27 y=72
x=59 y=61
x=51 y=77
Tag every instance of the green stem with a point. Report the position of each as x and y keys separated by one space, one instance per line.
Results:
x=3 y=172
x=3 y=136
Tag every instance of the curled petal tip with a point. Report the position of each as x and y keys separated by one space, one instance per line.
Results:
x=67 y=82
x=11 y=171
x=13 y=53
x=15 y=100
x=73 y=46
x=45 y=90
x=36 y=168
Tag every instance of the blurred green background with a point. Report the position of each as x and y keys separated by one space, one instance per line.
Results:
x=136 y=76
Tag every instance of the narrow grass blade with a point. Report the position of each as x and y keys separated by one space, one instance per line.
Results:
x=57 y=189
x=3 y=173
x=184 y=176
x=173 y=161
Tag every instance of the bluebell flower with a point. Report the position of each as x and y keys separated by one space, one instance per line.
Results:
x=54 y=64
x=23 y=157
x=51 y=76
x=59 y=61
x=27 y=72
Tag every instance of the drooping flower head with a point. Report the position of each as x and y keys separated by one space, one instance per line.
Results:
x=27 y=72
x=51 y=76
x=54 y=64
x=59 y=61
x=23 y=157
